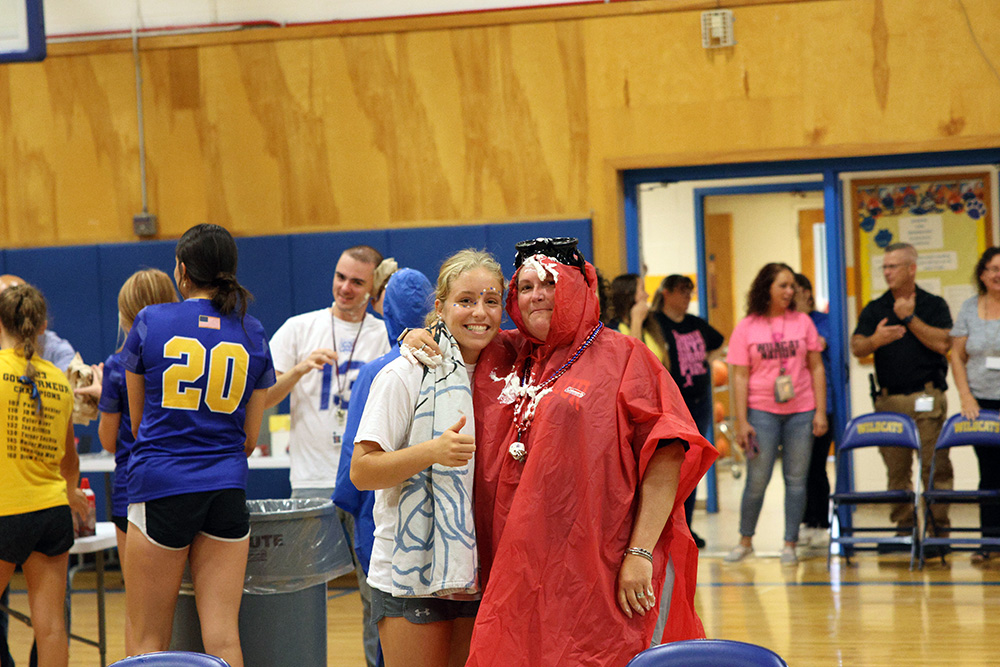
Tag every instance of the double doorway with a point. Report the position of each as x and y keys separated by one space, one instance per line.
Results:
x=721 y=223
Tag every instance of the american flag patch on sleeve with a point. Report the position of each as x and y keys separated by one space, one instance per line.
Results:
x=208 y=322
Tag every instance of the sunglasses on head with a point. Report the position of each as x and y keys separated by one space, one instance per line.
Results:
x=561 y=248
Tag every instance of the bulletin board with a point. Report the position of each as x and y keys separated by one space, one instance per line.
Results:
x=946 y=217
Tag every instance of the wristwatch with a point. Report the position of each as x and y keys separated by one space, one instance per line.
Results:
x=907 y=319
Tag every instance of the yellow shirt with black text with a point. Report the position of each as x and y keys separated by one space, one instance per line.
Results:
x=33 y=446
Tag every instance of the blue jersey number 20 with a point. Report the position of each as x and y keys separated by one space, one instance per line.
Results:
x=227 y=375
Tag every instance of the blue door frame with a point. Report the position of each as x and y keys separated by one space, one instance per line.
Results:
x=830 y=170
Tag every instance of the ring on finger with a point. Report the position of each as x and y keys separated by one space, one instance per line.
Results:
x=640 y=595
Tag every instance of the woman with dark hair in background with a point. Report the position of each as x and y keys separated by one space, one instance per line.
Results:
x=817 y=514
x=975 y=361
x=778 y=381
x=630 y=309
x=197 y=374
x=39 y=471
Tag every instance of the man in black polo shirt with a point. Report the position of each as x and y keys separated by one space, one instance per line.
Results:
x=907 y=329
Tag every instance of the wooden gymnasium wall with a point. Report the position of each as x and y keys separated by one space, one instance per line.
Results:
x=497 y=116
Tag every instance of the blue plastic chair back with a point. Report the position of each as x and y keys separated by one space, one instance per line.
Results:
x=881 y=429
x=172 y=659
x=959 y=431
x=708 y=653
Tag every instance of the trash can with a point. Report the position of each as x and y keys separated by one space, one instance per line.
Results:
x=296 y=546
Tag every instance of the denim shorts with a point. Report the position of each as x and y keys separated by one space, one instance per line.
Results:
x=420 y=610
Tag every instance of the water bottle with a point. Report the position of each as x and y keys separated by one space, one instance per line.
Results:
x=88 y=525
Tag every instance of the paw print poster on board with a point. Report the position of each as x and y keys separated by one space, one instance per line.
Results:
x=948 y=218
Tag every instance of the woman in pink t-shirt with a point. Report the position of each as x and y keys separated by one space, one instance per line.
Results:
x=778 y=381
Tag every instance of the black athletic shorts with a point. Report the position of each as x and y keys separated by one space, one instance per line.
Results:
x=174 y=521
x=121 y=522
x=48 y=531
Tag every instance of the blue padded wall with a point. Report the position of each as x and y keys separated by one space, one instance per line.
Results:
x=424 y=249
x=288 y=274
x=265 y=264
x=117 y=262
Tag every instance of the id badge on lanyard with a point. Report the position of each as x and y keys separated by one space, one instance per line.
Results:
x=339 y=423
x=784 y=388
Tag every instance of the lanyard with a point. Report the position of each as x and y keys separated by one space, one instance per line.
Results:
x=336 y=365
x=778 y=338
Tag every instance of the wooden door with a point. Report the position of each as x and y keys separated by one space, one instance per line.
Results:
x=721 y=303
x=719 y=274
x=807 y=253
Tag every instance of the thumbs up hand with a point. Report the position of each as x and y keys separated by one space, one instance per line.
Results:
x=452 y=448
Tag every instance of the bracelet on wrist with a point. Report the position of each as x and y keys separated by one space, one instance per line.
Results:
x=642 y=553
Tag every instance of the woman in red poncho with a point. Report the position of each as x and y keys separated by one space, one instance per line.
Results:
x=585 y=452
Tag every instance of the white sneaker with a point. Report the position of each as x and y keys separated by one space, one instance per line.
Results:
x=738 y=553
x=805 y=535
x=788 y=556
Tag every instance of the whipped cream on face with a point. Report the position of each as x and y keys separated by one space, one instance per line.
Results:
x=543 y=266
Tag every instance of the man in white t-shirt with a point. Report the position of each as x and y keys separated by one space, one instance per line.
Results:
x=317 y=357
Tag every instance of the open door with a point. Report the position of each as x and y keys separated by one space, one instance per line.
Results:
x=807 y=250
x=719 y=270
x=719 y=309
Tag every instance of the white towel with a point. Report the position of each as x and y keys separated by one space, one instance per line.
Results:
x=435 y=548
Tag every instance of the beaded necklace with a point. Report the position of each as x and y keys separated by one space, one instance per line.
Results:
x=528 y=395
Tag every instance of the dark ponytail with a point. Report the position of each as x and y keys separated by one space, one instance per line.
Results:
x=209 y=255
x=230 y=296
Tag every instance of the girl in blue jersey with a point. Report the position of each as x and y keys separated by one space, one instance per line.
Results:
x=143 y=288
x=197 y=372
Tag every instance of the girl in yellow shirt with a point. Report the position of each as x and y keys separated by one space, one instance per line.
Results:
x=38 y=463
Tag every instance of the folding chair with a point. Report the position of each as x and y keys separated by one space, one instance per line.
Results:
x=878 y=429
x=957 y=432
x=171 y=659
x=708 y=653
